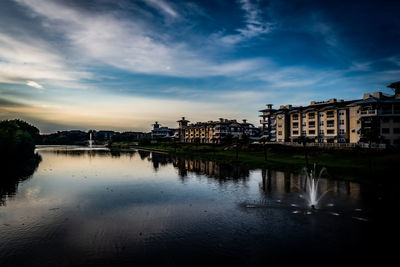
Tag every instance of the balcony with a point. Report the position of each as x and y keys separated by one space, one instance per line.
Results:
x=372 y=112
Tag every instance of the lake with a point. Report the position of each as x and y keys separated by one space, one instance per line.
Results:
x=92 y=207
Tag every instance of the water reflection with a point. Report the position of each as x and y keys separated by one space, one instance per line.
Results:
x=14 y=173
x=277 y=181
x=97 y=207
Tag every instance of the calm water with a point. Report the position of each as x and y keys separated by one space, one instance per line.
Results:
x=91 y=207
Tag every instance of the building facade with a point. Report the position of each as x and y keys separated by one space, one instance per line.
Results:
x=159 y=132
x=214 y=131
x=373 y=119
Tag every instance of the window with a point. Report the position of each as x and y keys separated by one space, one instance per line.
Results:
x=312 y=132
x=330 y=114
x=295 y=132
x=295 y=125
x=396 y=130
x=321 y=123
x=311 y=116
x=321 y=114
x=341 y=131
x=303 y=115
x=303 y=132
x=311 y=124
x=330 y=123
x=279 y=125
x=279 y=132
x=341 y=122
x=341 y=112
x=385 y=130
x=330 y=132
x=321 y=132
x=295 y=117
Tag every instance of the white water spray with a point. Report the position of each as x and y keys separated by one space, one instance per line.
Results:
x=311 y=184
x=90 y=139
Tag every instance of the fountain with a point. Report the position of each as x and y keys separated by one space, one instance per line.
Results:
x=90 y=139
x=311 y=186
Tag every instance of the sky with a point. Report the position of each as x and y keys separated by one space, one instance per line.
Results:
x=121 y=64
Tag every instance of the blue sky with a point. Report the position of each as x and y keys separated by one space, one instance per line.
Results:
x=121 y=65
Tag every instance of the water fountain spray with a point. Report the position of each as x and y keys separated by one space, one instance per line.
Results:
x=311 y=185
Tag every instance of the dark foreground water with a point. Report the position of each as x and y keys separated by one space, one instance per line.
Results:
x=91 y=207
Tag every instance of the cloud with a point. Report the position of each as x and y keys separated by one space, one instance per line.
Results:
x=25 y=58
x=162 y=6
x=128 y=44
x=254 y=25
x=34 y=84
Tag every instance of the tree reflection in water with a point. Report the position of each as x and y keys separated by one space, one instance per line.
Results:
x=13 y=173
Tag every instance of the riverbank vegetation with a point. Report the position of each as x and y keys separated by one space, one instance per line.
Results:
x=18 y=159
x=17 y=140
x=349 y=164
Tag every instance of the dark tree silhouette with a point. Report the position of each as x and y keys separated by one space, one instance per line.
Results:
x=395 y=87
x=304 y=140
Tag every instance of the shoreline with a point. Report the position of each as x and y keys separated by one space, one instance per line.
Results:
x=360 y=166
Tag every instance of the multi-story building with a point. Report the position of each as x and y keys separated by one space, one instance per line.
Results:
x=214 y=131
x=375 y=118
x=268 y=123
x=161 y=132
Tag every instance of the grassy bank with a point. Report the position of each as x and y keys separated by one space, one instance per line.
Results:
x=351 y=164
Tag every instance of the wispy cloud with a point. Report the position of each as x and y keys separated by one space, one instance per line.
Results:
x=25 y=58
x=34 y=84
x=162 y=6
x=129 y=45
x=254 y=25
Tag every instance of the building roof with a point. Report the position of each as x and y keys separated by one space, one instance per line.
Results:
x=372 y=100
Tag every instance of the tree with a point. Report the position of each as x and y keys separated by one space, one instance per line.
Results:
x=228 y=139
x=197 y=142
x=264 y=139
x=304 y=140
x=236 y=142
x=17 y=139
x=395 y=87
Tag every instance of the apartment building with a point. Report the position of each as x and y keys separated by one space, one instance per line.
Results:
x=268 y=123
x=374 y=118
x=214 y=131
x=159 y=132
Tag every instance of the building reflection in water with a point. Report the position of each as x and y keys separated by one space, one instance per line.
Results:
x=220 y=171
x=278 y=182
x=285 y=182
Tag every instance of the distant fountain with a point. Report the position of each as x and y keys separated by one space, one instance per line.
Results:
x=311 y=186
x=90 y=139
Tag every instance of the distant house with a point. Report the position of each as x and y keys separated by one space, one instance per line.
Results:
x=103 y=135
x=214 y=131
x=161 y=132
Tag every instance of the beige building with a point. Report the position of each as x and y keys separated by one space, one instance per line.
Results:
x=214 y=131
x=375 y=118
